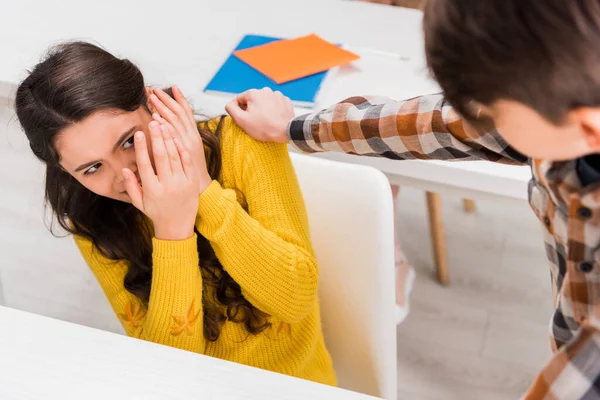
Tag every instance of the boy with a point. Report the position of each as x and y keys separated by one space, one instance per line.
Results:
x=533 y=69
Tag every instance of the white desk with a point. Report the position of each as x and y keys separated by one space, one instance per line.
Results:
x=477 y=180
x=185 y=41
x=44 y=358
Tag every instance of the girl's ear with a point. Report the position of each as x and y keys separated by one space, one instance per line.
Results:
x=149 y=103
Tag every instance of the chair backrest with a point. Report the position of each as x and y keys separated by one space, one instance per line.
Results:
x=351 y=222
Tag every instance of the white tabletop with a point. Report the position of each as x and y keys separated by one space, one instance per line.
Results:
x=44 y=358
x=185 y=42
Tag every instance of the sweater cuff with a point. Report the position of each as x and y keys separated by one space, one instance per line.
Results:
x=212 y=210
x=174 y=249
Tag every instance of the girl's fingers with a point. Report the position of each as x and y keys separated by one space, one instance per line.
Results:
x=133 y=189
x=180 y=107
x=186 y=160
x=171 y=129
x=166 y=113
x=183 y=102
x=161 y=159
x=172 y=152
x=169 y=109
x=156 y=116
x=142 y=159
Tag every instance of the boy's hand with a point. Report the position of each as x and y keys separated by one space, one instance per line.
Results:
x=263 y=114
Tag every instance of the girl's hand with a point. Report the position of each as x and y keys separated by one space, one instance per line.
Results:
x=168 y=197
x=178 y=116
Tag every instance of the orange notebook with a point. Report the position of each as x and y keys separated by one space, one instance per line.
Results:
x=287 y=60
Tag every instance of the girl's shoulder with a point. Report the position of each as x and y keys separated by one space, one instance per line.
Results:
x=241 y=155
x=238 y=147
x=229 y=141
x=225 y=128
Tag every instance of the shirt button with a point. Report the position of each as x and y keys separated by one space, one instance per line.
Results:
x=586 y=267
x=584 y=212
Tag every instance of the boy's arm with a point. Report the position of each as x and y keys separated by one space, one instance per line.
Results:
x=574 y=372
x=422 y=128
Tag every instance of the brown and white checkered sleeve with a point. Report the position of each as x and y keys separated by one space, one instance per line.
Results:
x=574 y=372
x=422 y=128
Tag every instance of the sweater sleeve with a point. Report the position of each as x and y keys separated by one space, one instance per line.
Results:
x=265 y=249
x=173 y=316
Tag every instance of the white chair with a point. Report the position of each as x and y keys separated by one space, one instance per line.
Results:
x=351 y=221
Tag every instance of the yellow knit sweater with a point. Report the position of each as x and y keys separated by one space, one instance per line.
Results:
x=266 y=250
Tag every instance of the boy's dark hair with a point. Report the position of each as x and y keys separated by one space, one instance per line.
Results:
x=542 y=53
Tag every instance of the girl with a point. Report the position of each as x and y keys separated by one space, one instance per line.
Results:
x=197 y=234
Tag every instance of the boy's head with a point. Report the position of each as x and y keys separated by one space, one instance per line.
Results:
x=532 y=66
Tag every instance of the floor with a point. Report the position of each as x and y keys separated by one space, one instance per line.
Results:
x=483 y=337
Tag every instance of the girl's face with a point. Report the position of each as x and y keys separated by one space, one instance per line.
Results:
x=96 y=150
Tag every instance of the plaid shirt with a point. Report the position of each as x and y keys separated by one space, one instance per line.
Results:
x=428 y=128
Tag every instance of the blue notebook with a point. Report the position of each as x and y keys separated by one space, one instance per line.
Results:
x=236 y=77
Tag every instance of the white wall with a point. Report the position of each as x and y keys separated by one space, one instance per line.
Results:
x=38 y=272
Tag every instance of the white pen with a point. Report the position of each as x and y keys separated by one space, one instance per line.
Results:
x=379 y=53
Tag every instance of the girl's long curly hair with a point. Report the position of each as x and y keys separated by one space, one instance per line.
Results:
x=74 y=81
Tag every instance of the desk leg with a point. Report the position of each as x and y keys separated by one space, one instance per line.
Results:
x=469 y=206
x=438 y=240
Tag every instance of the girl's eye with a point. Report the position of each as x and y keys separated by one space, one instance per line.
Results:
x=92 y=169
x=128 y=143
